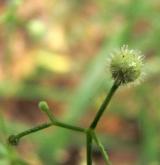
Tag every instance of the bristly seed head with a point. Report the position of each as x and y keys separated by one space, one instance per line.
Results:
x=126 y=65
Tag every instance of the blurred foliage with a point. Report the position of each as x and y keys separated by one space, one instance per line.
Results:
x=58 y=51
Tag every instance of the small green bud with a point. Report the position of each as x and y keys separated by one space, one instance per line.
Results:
x=43 y=106
x=13 y=140
x=126 y=65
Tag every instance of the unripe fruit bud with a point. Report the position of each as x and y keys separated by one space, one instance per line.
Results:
x=43 y=106
x=13 y=140
x=126 y=65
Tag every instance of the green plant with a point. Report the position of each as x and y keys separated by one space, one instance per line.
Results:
x=126 y=66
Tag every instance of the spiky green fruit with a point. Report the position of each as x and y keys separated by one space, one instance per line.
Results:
x=126 y=65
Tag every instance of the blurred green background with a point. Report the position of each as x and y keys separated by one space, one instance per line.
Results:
x=57 y=51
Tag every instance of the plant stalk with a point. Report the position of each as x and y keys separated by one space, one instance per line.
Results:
x=102 y=149
x=89 y=147
x=54 y=121
x=14 y=139
x=104 y=105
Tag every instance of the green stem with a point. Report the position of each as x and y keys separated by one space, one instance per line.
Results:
x=14 y=139
x=67 y=126
x=50 y=115
x=104 y=105
x=60 y=124
x=89 y=147
x=32 y=130
x=102 y=149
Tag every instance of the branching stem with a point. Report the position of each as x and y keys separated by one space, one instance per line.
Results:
x=89 y=132
x=14 y=139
